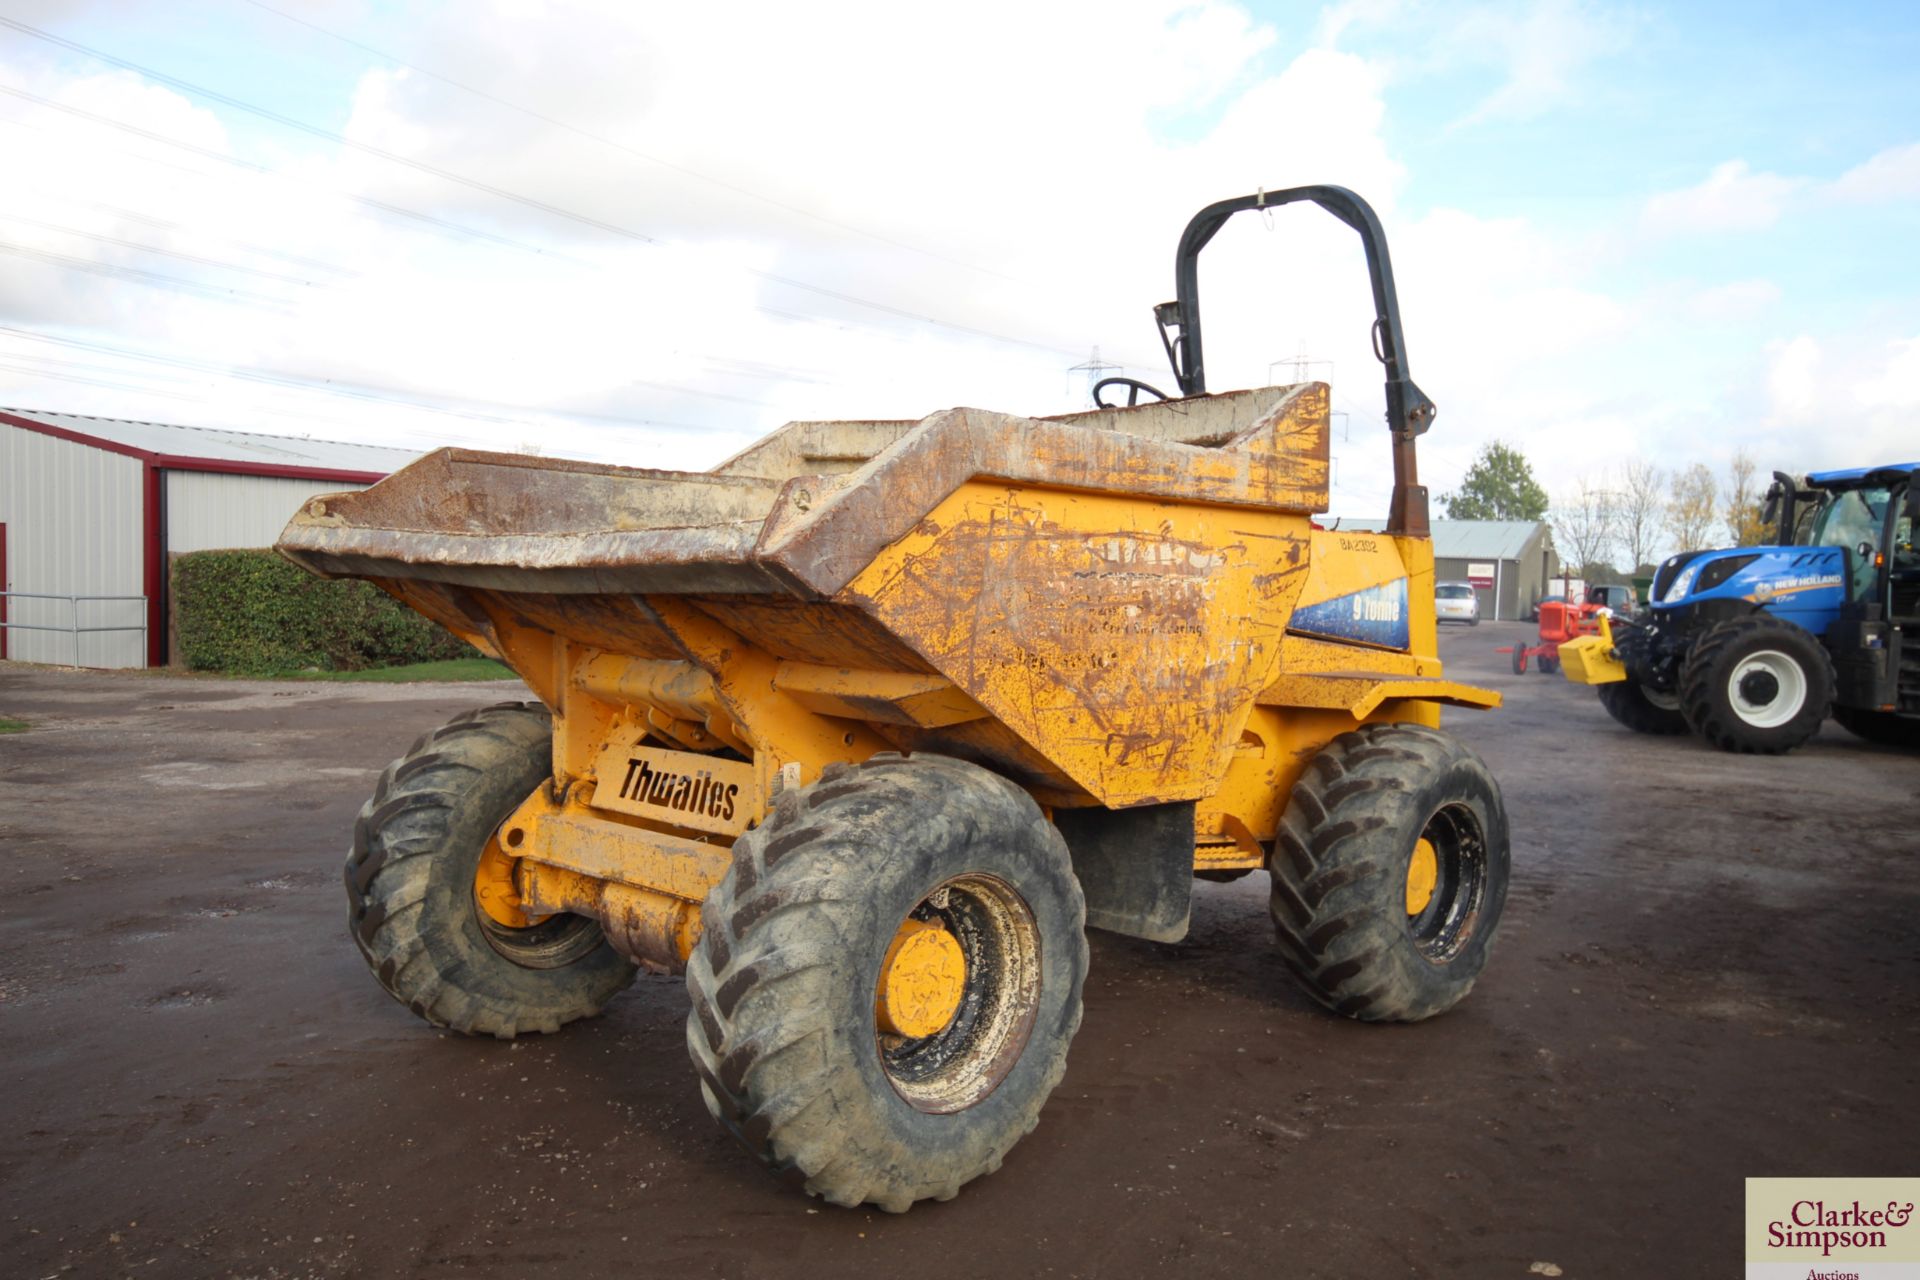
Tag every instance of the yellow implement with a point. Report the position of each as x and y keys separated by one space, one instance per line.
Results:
x=1591 y=659
x=863 y=727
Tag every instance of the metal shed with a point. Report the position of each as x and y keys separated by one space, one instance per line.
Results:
x=90 y=508
x=1508 y=561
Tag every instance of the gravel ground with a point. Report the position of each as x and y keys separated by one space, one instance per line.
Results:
x=1708 y=971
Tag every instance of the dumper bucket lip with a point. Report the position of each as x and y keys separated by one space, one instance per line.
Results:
x=518 y=523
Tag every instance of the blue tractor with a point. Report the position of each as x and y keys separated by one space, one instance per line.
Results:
x=1753 y=647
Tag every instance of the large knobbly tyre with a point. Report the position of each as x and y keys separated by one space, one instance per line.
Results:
x=1879 y=726
x=784 y=1029
x=1634 y=706
x=410 y=887
x=1759 y=685
x=1389 y=872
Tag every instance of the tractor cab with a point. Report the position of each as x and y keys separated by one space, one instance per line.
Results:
x=1868 y=513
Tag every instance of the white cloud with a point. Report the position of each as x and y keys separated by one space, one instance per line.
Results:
x=1845 y=402
x=1542 y=52
x=1737 y=300
x=1023 y=173
x=1732 y=198
x=1893 y=174
x=1896 y=384
x=1793 y=376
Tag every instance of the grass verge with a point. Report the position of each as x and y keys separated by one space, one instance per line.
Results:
x=12 y=726
x=448 y=669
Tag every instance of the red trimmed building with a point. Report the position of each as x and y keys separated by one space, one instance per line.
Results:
x=92 y=507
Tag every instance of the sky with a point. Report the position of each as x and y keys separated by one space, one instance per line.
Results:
x=649 y=233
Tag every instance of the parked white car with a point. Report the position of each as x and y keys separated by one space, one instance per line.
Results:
x=1456 y=602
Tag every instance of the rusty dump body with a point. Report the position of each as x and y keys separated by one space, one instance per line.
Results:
x=1126 y=611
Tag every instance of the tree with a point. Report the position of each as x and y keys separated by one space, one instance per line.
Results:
x=1742 y=505
x=1498 y=486
x=1642 y=506
x=1586 y=524
x=1690 y=508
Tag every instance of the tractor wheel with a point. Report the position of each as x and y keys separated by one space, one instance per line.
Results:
x=888 y=979
x=1389 y=872
x=1549 y=664
x=1879 y=726
x=1519 y=659
x=411 y=887
x=1758 y=685
x=1641 y=709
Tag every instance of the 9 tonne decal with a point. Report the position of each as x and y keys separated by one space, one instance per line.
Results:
x=1376 y=615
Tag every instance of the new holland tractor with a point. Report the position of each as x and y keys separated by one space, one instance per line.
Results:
x=863 y=728
x=1753 y=647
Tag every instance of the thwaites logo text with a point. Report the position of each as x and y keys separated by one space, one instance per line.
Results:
x=698 y=793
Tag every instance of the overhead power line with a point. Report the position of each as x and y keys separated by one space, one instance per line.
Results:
x=155 y=249
x=474 y=410
x=444 y=226
x=628 y=149
x=587 y=220
x=135 y=275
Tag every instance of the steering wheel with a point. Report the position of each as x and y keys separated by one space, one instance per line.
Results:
x=1134 y=387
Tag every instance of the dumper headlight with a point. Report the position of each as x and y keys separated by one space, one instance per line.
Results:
x=1682 y=584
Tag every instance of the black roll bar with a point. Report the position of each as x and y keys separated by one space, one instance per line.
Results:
x=1409 y=411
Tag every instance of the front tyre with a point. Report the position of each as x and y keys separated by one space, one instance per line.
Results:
x=1642 y=709
x=1389 y=872
x=888 y=979
x=1884 y=727
x=412 y=887
x=1759 y=685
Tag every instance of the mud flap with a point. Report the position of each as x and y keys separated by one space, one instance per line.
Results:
x=1135 y=867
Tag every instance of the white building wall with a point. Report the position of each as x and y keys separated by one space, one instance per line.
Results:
x=73 y=517
x=209 y=512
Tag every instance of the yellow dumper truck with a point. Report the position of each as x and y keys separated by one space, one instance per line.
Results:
x=862 y=729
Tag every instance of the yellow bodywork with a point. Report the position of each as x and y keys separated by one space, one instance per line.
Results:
x=1591 y=659
x=1106 y=608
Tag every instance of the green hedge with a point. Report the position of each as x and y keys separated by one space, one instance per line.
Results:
x=253 y=613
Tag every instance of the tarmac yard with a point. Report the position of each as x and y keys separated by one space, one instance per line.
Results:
x=1709 y=969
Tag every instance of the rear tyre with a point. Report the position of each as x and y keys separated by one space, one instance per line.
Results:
x=1640 y=709
x=410 y=887
x=1759 y=685
x=1883 y=727
x=786 y=1030
x=1389 y=873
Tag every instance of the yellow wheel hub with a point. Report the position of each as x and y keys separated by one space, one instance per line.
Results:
x=494 y=888
x=922 y=980
x=1423 y=872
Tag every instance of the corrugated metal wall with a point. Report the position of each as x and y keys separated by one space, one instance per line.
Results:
x=1522 y=581
x=207 y=512
x=73 y=528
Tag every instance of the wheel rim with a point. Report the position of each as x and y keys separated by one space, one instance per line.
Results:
x=1449 y=910
x=1664 y=701
x=1767 y=689
x=532 y=942
x=998 y=945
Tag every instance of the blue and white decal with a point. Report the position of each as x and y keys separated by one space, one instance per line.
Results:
x=1377 y=615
